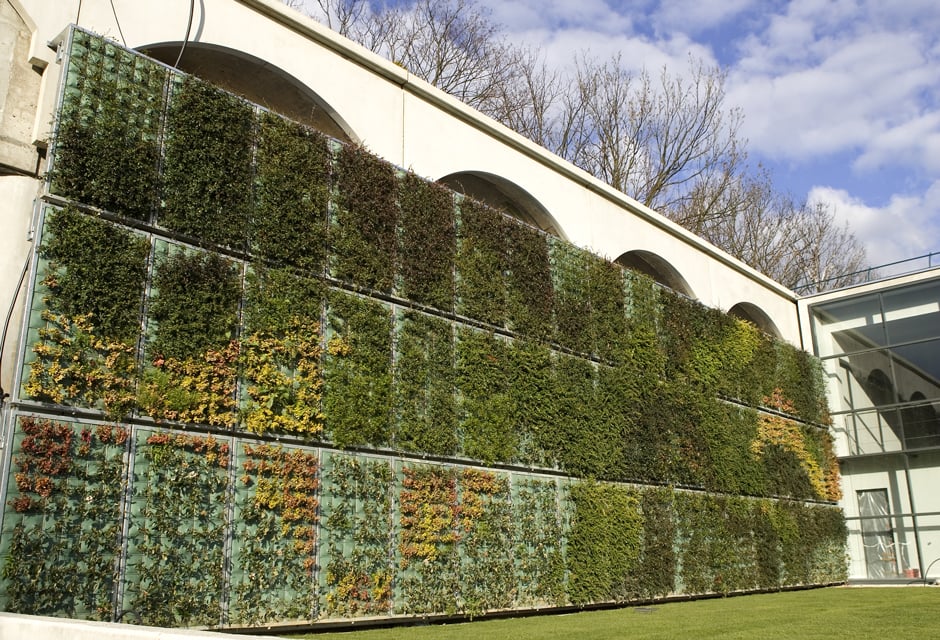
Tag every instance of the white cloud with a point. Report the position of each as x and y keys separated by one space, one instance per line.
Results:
x=871 y=85
x=904 y=228
x=695 y=16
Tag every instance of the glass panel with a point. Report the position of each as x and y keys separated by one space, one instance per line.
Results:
x=921 y=425
x=913 y=313
x=848 y=325
x=873 y=432
x=865 y=380
x=881 y=559
x=917 y=370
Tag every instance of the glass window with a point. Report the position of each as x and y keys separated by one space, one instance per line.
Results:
x=917 y=369
x=912 y=313
x=873 y=431
x=848 y=325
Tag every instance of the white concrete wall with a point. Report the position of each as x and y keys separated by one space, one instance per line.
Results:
x=410 y=123
x=17 y=194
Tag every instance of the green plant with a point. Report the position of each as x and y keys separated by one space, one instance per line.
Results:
x=65 y=508
x=284 y=383
x=178 y=529
x=655 y=573
x=539 y=550
x=604 y=542
x=716 y=552
x=533 y=392
x=289 y=221
x=94 y=268
x=276 y=298
x=198 y=390
x=580 y=443
x=589 y=301
x=357 y=371
x=106 y=149
x=275 y=535
x=428 y=525
x=358 y=518
x=486 y=411
x=487 y=565
x=530 y=296
x=362 y=233
x=425 y=401
x=75 y=367
x=207 y=172
x=427 y=244
x=481 y=262
x=195 y=307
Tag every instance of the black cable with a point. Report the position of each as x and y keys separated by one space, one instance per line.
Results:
x=118 y=22
x=189 y=26
x=9 y=318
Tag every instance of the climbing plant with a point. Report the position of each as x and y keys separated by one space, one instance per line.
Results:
x=358 y=518
x=62 y=526
x=177 y=536
x=274 y=556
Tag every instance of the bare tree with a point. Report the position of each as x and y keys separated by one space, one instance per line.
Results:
x=662 y=142
x=829 y=254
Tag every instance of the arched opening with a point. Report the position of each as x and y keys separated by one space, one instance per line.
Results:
x=655 y=267
x=756 y=316
x=257 y=81
x=504 y=195
x=921 y=422
x=880 y=388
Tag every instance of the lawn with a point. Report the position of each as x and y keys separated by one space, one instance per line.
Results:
x=857 y=613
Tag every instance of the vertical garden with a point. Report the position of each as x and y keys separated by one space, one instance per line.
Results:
x=270 y=377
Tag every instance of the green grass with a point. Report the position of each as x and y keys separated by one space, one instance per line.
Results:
x=856 y=613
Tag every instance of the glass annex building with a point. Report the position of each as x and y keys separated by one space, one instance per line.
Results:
x=880 y=344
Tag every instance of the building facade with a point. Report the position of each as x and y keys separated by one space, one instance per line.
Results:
x=880 y=345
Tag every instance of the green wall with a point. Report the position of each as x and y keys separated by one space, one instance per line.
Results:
x=305 y=384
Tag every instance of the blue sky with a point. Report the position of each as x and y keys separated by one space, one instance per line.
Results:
x=841 y=98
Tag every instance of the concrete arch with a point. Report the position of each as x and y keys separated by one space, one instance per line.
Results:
x=756 y=316
x=257 y=81
x=505 y=195
x=657 y=268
